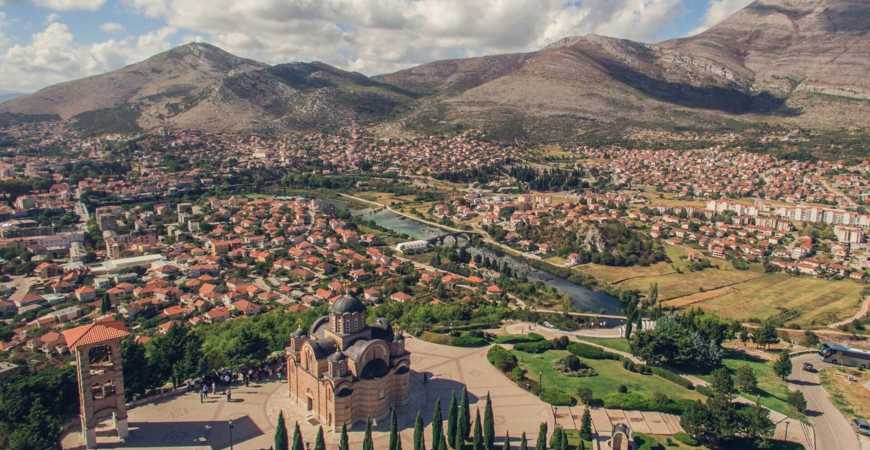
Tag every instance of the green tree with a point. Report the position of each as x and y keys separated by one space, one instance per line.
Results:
x=452 y=419
x=437 y=422
x=394 y=430
x=722 y=383
x=766 y=334
x=38 y=431
x=542 y=437
x=297 y=438
x=281 y=442
x=797 y=399
x=137 y=376
x=586 y=425
x=368 y=443
x=488 y=423
x=105 y=305
x=782 y=366
x=319 y=443
x=701 y=424
x=343 y=440
x=744 y=378
x=465 y=414
x=556 y=438
x=419 y=442
x=478 y=433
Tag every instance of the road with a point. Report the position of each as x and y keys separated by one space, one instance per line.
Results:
x=865 y=309
x=833 y=430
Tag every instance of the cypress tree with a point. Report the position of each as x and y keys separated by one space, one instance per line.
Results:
x=542 y=437
x=437 y=423
x=524 y=443
x=563 y=441
x=507 y=441
x=465 y=414
x=394 y=430
x=297 y=438
x=488 y=424
x=419 y=442
x=586 y=426
x=452 y=419
x=442 y=442
x=556 y=438
x=319 y=443
x=368 y=443
x=478 y=433
x=281 y=442
x=343 y=441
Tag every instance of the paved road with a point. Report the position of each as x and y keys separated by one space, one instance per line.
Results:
x=833 y=430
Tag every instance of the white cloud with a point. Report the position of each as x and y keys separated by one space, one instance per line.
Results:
x=53 y=56
x=370 y=36
x=718 y=11
x=66 y=5
x=376 y=36
x=112 y=27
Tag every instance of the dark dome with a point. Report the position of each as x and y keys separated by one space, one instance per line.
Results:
x=348 y=305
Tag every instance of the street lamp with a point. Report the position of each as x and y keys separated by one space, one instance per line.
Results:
x=230 y=422
x=541 y=380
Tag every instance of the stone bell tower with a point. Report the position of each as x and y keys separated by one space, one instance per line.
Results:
x=97 y=348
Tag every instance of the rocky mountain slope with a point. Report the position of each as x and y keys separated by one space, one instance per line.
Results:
x=791 y=62
x=800 y=62
x=201 y=86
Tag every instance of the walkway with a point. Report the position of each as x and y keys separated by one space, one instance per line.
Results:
x=833 y=430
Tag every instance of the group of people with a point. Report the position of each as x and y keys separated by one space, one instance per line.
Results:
x=224 y=379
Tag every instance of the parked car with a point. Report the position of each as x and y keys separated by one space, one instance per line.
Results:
x=809 y=367
x=862 y=426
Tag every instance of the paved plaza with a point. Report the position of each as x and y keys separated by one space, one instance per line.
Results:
x=182 y=422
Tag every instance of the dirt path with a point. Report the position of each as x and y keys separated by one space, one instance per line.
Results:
x=865 y=309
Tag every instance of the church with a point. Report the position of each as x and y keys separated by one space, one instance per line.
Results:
x=345 y=371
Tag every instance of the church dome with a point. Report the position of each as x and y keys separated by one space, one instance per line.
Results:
x=347 y=305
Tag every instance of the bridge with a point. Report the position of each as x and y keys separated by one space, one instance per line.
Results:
x=454 y=239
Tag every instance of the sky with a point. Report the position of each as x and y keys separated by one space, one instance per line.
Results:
x=43 y=42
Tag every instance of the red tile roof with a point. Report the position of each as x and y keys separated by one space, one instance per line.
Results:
x=95 y=333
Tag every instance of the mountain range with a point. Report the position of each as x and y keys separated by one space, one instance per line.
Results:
x=791 y=62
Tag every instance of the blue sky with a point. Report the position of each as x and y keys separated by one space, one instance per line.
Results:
x=48 y=41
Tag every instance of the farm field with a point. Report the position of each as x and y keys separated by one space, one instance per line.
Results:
x=681 y=284
x=806 y=302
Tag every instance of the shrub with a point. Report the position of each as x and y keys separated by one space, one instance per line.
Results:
x=644 y=442
x=518 y=338
x=533 y=347
x=436 y=338
x=631 y=366
x=673 y=377
x=502 y=359
x=585 y=395
x=468 y=340
x=557 y=397
x=685 y=439
x=559 y=343
x=639 y=402
x=622 y=389
x=587 y=351
x=518 y=373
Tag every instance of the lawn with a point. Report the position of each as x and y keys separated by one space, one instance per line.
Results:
x=610 y=375
x=851 y=398
x=812 y=302
x=618 y=344
x=773 y=389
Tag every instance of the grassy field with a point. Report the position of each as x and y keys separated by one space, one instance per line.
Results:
x=618 y=344
x=610 y=376
x=851 y=398
x=612 y=274
x=773 y=389
x=687 y=283
x=814 y=302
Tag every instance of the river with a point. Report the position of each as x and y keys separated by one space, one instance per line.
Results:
x=583 y=298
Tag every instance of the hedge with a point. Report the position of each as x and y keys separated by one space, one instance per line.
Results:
x=634 y=401
x=587 y=351
x=468 y=340
x=533 y=347
x=673 y=377
x=518 y=338
x=502 y=359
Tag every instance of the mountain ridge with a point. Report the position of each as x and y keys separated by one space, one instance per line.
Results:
x=792 y=62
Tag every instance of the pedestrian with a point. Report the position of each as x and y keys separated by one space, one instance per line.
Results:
x=213 y=387
x=229 y=395
x=203 y=393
